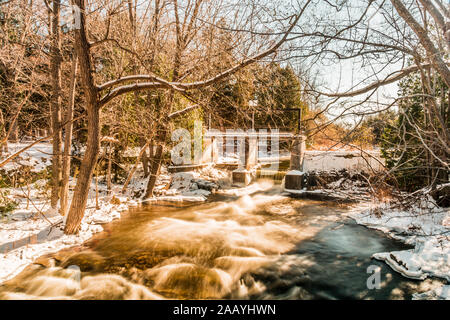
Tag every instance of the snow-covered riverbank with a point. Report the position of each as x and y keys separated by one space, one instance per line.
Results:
x=427 y=228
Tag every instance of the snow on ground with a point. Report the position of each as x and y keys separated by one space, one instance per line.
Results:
x=338 y=160
x=442 y=293
x=38 y=156
x=33 y=230
x=191 y=185
x=425 y=227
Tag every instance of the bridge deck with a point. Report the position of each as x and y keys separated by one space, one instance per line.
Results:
x=241 y=134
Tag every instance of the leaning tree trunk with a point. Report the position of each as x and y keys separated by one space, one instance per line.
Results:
x=156 y=161
x=82 y=187
x=436 y=57
x=4 y=139
x=154 y=169
x=157 y=158
x=68 y=138
x=14 y=135
x=108 y=174
x=55 y=66
x=145 y=163
x=151 y=150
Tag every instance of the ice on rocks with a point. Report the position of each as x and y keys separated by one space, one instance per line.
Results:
x=430 y=258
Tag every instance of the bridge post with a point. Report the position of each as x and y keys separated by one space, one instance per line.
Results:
x=210 y=152
x=248 y=158
x=294 y=177
x=214 y=149
x=252 y=159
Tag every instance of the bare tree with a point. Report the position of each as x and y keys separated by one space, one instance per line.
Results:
x=118 y=87
x=387 y=42
x=23 y=69
x=55 y=105
x=68 y=136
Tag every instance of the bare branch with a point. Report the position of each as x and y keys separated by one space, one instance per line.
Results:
x=435 y=55
x=179 y=113
x=393 y=77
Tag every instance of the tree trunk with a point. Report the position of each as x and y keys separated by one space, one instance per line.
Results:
x=151 y=150
x=82 y=187
x=81 y=192
x=156 y=160
x=154 y=169
x=151 y=154
x=145 y=163
x=55 y=105
x=68 y=138
x=97 y=206
x=14 y=136
x=434 y=54
x=108 y=174
x=4 y=145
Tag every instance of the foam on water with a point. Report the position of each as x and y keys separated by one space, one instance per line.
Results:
x=58 y=283
x=208 y=252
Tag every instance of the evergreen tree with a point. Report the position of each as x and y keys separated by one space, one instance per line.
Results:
x=401 y=146
x=280 y=89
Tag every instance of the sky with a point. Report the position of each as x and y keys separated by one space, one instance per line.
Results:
x=342 y=75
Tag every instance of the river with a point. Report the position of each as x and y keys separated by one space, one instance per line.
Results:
x=260 y=246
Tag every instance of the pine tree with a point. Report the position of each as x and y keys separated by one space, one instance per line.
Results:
x=406 y=154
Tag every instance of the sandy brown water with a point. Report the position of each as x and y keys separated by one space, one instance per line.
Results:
x=260 y=246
